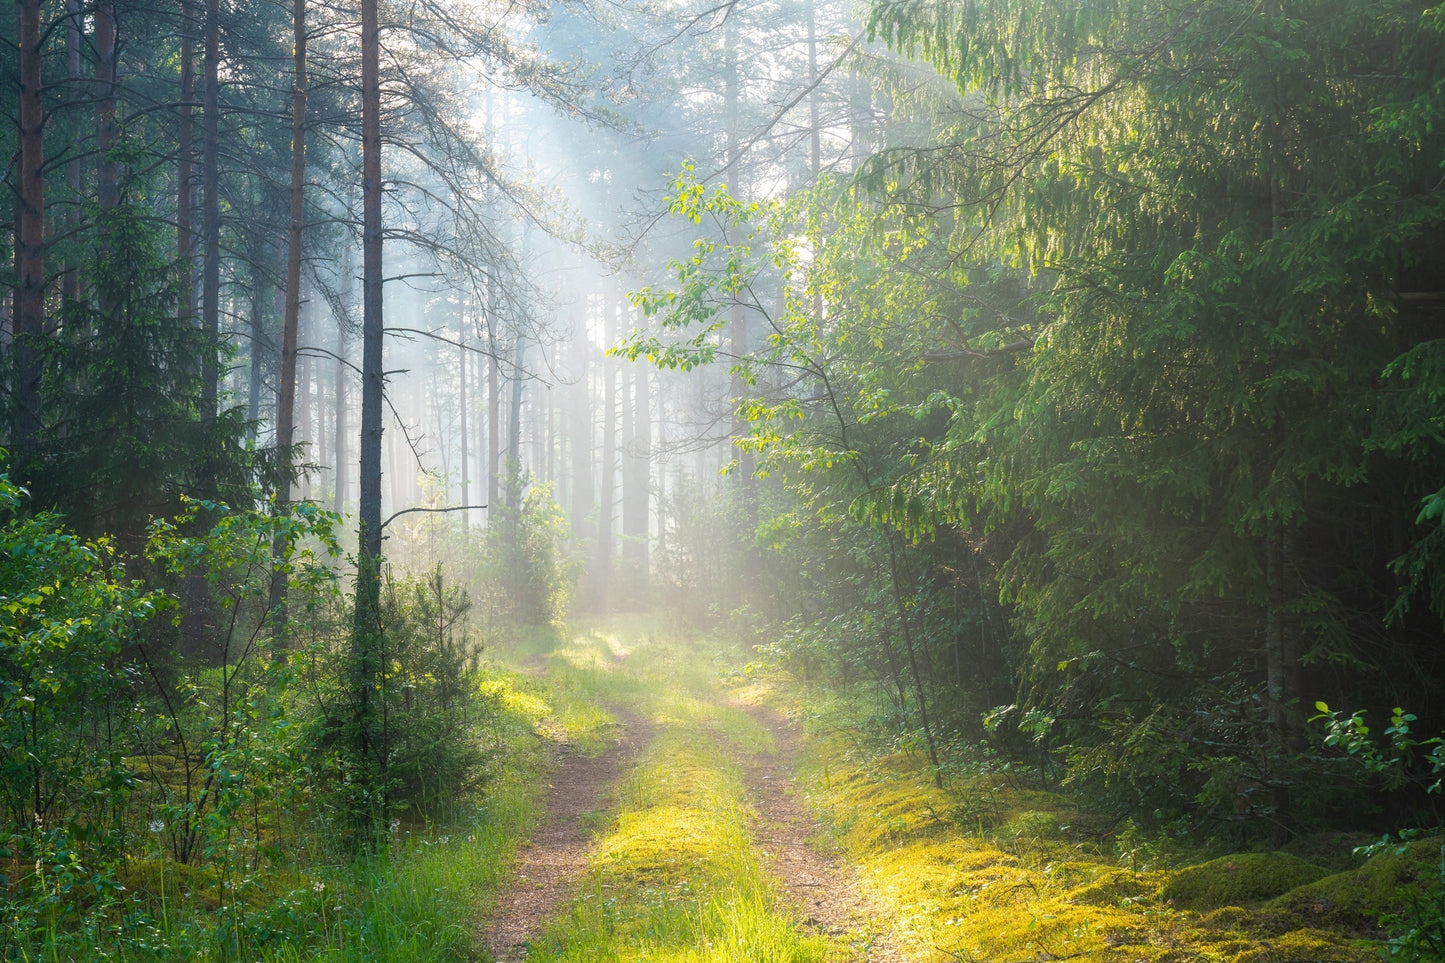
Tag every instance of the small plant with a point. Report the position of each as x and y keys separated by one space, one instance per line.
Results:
x=1420 y=933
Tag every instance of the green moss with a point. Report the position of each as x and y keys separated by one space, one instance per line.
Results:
x=1117 y=887
x=1238 y=880
x=1306 y=945
x=1354 y=901
x=1235 y=919
x=157 y=881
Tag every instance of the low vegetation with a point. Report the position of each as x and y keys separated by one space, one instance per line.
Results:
x=994 y=867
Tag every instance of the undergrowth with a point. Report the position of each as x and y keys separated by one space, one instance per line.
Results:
x=419 y=898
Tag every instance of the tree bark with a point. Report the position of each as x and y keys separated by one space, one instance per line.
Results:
x=463 y=360
x=1283 y=682
x=368 y=751
x=638 y=478
x=185 y=159
x=211 y=219
x=494 y=402
x=291 y=312
x=29 y=305
x=738 y=323
x=286 y=395
x=602 y=579
x=341 y=447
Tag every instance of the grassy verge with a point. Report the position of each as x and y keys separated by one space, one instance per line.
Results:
x=419 y=900
x=995 y=869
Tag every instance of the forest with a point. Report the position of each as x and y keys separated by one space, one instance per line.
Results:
x=1046 y=395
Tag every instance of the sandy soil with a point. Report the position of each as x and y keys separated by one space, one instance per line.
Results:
x=821 y=884
x=556 y=856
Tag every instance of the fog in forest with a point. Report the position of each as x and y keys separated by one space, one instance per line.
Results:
x=1058 y=385
x=500 y=307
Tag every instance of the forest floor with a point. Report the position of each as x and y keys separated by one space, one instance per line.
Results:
x=701 y=822
x=821 y=886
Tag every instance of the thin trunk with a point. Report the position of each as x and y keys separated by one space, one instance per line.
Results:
x=291 y=311
x=494 y=408
x=185 y=150
x=815 y=129
x=211 y=217
x=514 y=431
x=1283 y=680
x=341 y=449
x=70 y=284
x=260 y=347
x=368 y=754
x=906 y=624
x=581 y=409
x=608 y=478
x=738 y=322
x=635 y=496
x=29 y=316
x=462 y=365
x=286 y=395
x=107 y=180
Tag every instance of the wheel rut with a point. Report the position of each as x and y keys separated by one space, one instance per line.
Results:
x=824 y=887
x=554 y=859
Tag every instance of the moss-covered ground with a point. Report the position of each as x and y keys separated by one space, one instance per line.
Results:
x=992 y=868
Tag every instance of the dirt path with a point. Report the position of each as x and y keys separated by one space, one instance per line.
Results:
x=556 y=855
x=823 y=886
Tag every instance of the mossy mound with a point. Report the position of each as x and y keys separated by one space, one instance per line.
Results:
x=1116 y=887
x=1238 y=880
x=1332 y=851
x=1354 y=901
x=1235 y=919
x=1305 y=946
x=160 y=881
x=663 y=844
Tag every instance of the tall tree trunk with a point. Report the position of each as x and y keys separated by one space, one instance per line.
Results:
x=211 y=220
x=463 y=359
x=514 y=463
x=291 y=314
x=607 y=497
x=296 y=223
x=494 y=404
x=1283 y=677
x=638 y=477
x=185 y=151
x=367 y=737
x=29 y=316
x=70 y=284
x=260 y=342
x=107 y=177
x=581 y=410
x=341 y=448
x=738 y=323
x=906 y=625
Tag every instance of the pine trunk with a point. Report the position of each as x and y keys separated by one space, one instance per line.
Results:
x=211 y=216
x=29 y=306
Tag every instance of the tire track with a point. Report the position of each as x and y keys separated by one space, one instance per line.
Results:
x=823 y=886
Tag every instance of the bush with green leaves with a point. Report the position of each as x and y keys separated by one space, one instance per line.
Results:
x=421 y=752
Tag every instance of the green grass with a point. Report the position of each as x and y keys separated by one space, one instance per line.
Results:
x=420 y=900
